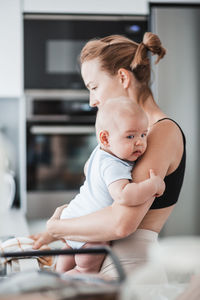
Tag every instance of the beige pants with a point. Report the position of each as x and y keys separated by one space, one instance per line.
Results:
x=132 y=252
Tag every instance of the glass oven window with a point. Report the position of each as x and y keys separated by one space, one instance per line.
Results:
x=56 y=162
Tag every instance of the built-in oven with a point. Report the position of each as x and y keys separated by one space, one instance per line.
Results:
x=52 y=44
x=60 y=138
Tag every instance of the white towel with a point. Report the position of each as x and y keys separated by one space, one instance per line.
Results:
x=24 y=244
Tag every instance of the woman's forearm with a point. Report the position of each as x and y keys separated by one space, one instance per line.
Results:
x=85 y=228
x=111 y=223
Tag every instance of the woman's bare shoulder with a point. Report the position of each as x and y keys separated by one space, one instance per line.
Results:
x=164 y=150
x=165 y=133
x=166 y=125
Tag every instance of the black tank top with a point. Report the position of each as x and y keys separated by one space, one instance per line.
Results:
x=172 y=181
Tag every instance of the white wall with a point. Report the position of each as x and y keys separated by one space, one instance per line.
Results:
x=87 y=6
x=177 y=90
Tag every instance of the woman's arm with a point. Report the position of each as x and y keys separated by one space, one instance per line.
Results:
x=111 y=223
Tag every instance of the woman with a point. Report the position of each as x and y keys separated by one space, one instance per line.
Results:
x=111 y=67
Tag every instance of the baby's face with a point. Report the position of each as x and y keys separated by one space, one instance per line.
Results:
x=128 y=140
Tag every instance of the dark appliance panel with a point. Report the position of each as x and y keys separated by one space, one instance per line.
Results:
x=52 y=44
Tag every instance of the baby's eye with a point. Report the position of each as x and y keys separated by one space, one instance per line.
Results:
x=143 y=135
x=130 y=136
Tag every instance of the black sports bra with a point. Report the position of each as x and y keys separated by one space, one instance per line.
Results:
x=172 y=181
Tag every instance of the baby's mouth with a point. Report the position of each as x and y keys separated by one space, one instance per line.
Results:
x=137 y=152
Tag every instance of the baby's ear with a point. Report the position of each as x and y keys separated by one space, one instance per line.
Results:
x=104 y=138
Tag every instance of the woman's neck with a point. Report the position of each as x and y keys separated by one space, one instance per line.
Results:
x=154 y=113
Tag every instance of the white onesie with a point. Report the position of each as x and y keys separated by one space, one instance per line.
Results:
x=103 y=169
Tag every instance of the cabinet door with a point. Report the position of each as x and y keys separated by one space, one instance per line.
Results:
x=10 y=48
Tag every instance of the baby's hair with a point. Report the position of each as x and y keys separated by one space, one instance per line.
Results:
x=114 y=110
x=116 y=51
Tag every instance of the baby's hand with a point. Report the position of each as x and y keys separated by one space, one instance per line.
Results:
x=159 y=182
x=58 y=211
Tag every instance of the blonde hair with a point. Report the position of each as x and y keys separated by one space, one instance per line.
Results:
x=116 y=51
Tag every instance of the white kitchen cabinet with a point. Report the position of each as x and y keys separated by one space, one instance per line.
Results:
x=137 y=7
x=11 y=45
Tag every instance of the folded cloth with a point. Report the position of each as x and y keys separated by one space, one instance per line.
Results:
x=25 y=244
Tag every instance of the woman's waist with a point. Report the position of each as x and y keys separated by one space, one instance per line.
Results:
x=154 y=220
x=146 y=234
x=135 y=245
x=142 y=234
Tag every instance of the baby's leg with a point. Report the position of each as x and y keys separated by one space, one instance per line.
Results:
x=65 y=262
x=88 y=263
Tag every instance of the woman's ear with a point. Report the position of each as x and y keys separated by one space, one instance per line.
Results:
x=124 y=77
x=104 y=138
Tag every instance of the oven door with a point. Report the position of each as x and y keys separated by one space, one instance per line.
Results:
x=56 y=155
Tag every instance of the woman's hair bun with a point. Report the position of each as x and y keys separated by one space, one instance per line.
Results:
x=152 y=43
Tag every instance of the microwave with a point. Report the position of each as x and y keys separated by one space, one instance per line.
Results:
x=53 y=42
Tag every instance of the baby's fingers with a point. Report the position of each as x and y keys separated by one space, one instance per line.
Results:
x=152 y=173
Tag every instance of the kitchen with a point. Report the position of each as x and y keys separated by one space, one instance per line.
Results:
x=14 y=98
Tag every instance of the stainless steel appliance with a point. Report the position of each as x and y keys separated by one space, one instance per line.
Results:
x=60 y=138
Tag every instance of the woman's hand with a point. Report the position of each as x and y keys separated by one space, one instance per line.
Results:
x=43 y=238
x=54 y=219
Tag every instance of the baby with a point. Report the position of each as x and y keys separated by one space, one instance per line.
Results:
x=121 y=129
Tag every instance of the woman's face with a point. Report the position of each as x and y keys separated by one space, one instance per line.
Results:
x=100 y=84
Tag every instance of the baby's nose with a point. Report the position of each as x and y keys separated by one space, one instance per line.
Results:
x=138 y=141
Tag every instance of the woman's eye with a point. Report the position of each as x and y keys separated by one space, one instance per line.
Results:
x=93 y=88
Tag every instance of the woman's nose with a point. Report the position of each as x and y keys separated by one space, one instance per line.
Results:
x=93 y=102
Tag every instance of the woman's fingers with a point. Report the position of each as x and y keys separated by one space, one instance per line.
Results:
x=43 y=238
